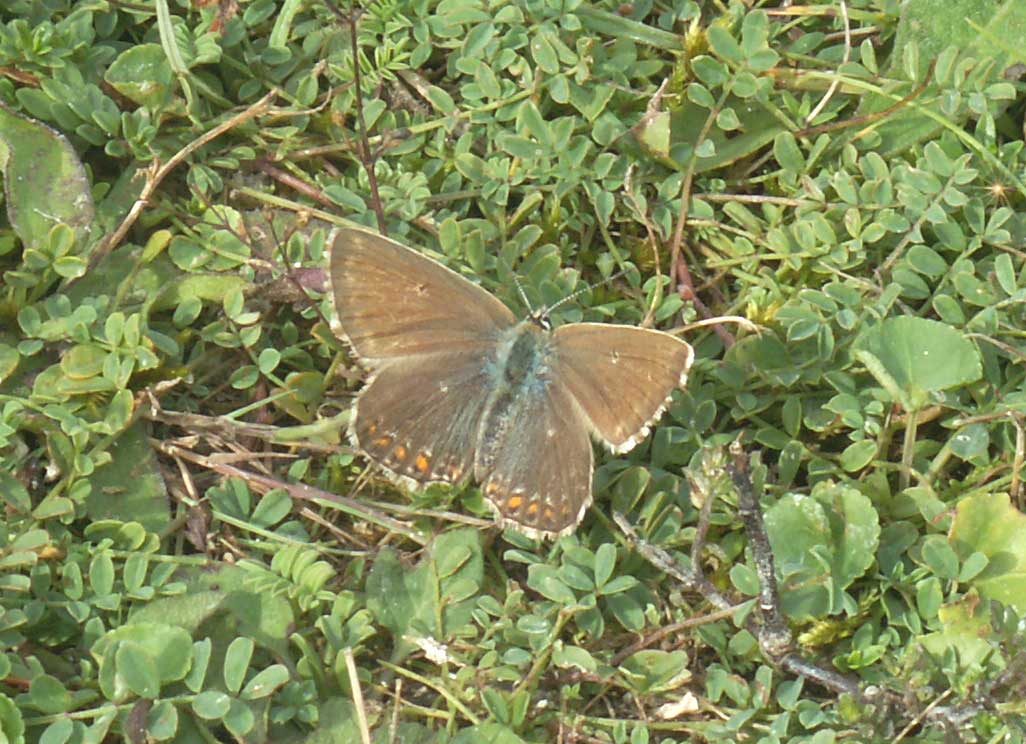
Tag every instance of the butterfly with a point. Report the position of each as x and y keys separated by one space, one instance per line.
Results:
x=458 y=388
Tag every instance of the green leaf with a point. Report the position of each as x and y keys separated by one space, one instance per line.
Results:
x=138 y=669
x=970 y=441
x=1005 y=273
x=570 y=657
x=858 y=455
x=965 y=628
x=441 y=100
x=162 y=720
x=14 y=494
x=651 y=671
x=409 y=601
x=939 y=557
x=236 y=663
x=923 y=356
x=787 y=153
x=132 y=462
x=265 y=682
x=48 y=695
x=200 y=663
x=168 y=648
x=605 y=562
x=44 y=181
x=988 y=524
x=546 y=581
x=240 y=719
x=58 y=732
x=822 y=543
x=273 y=507
x=493 y=733
x=142 y=74
x=211 y=705
x=544 y=53
x=268 y=360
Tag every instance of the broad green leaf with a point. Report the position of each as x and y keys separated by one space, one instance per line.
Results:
x=922 y=355
x=44 y=181
x=408 y=601
x=990 y=525
x=221 y=604
x=138 y=668
x=130 y=487
x=822 y=543
x=985 y=31
x=965 y=627
x=48 y=695
x=141 y=73
x=168 y=652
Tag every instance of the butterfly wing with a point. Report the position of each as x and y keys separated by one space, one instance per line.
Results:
x=620 y=376
x=390 y=301
x=535 y=471
x=429 y=338
x=419 y=417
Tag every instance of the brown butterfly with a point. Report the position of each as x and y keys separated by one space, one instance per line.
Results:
x=459 y=387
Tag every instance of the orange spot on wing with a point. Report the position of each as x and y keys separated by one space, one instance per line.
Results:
x=513 y=502
x=382 y=441
x=422 y=463
x=532 y=508
x=400 y=452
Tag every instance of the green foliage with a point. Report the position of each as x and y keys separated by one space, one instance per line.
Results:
x=172 y=408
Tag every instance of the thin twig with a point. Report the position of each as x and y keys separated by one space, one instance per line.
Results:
x=295 y=490
x=354 y=686
x=835 y=83
x=775 y=637
x=366 y=156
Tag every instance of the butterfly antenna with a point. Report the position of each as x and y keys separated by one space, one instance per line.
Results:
x=520 y=287
x=571 y=297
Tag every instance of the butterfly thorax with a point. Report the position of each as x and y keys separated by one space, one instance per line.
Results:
x=526 y=361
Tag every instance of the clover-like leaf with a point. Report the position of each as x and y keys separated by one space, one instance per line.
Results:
x=919 y=356
x=409 y=601
x=988 y=524
x=822 y=543
x=965 y=625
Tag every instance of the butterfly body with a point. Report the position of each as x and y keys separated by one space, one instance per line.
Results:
x=460 y=388
x=520 y=374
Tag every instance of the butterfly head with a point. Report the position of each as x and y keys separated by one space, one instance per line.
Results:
x=541 y=318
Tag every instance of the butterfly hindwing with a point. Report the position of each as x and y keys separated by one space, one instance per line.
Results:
x=620 y=376
x=419 y=417
x=535 y=462
x=390 y=301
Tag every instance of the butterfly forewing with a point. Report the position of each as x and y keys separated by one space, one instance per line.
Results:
x=419 y=417
x=536 y=472
x=392 y=302
x=620 y=376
